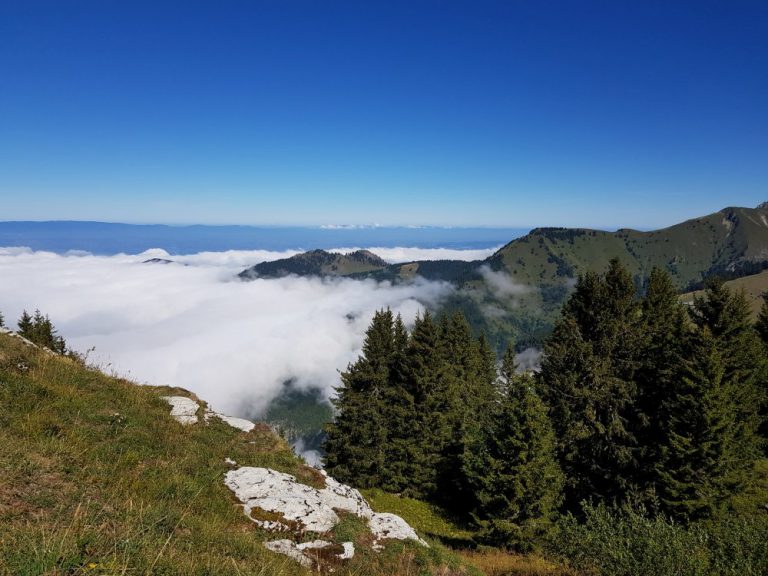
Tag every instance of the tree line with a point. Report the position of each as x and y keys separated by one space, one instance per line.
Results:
x=640 y=401
x=38 y=329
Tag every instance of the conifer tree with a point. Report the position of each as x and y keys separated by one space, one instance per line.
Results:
x=356 y=440
x=40 y=330
x=726 y=315
x=587 y=379
x=468 y=388
x=401 y=417
x=434 y=404
x=2 y=320
x=708 y=451
x=25 y=325
x=761 y=326
x=659 y=368
x=510 y=464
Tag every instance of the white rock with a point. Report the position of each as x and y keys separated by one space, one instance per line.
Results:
x=311 y=508
x=183 y=409
x=271 y=526
x=314 y=545
x=240 y=423
x=343 y=497
x=390 y=526
x=349 y=551
x=289 y=548
x=278 y=492
x=230 y=462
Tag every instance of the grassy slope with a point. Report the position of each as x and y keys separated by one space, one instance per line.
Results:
x=753 y=286
x=99 y=479
x=687 y=250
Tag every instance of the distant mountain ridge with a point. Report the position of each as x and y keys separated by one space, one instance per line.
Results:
x=318 y=262
x=732 y=242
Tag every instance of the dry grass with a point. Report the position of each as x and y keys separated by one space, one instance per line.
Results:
x=753 y=287
x=499 y=563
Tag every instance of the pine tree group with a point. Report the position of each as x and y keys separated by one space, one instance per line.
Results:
x=639 y=401
x=423 y=414
x=652 y=406
x=40 y=330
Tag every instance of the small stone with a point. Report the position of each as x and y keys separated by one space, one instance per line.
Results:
x=239 y=423
x=288 y=548
x=349 y=551
x=183 y=409
x=390 y=526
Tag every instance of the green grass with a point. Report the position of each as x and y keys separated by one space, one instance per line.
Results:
x=425 y=518
x=97 y=478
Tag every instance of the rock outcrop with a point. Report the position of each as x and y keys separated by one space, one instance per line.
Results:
x=300 y=508
x=185 y=411
x=305 y=508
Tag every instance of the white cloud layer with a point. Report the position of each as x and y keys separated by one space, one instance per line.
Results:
x=195 y=326
x=502 y=284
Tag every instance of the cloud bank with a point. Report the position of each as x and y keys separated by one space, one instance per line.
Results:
x=191 y=324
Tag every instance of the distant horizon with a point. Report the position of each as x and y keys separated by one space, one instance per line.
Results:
x=338 y=226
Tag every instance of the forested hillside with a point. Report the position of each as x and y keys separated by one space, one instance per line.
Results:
x=646 y=415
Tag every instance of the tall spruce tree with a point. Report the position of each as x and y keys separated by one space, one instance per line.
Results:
x=587 y=379
x=761 y=327
x=726 y=314
x=708 y=451
x=25 y=325
x=664 y=332
x=2 y=320
x=510 y=464
x=356 y=440
x=435 y=402
x=401 y=417
x=469 y=392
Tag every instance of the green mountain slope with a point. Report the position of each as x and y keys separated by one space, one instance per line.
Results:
x=97 y=478
x=317 y=262
x=732 y=242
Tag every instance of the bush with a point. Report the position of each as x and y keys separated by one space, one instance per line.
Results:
x=624 y=542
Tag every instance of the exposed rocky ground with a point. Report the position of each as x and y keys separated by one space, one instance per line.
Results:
x=277 y=502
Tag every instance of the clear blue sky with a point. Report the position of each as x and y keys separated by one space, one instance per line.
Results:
x=610 y=113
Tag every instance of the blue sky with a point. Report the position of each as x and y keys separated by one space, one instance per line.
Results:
x=513 y=113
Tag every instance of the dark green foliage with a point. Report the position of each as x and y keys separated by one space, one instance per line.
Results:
x=587 y=379
x=712 y=416
x=2 y=320
x=762 y=320
x=726 y=315
x=356 y=439
x=509 y=464
x=40 y=330
x=649 y=409
x=626 y=542
x=761 y=326
x=664 y=335
x=709 y=449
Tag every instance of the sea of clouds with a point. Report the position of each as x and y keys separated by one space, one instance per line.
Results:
x=193 y=324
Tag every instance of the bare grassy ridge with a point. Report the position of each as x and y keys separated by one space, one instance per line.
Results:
x=753 y=286
x=97 y=478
